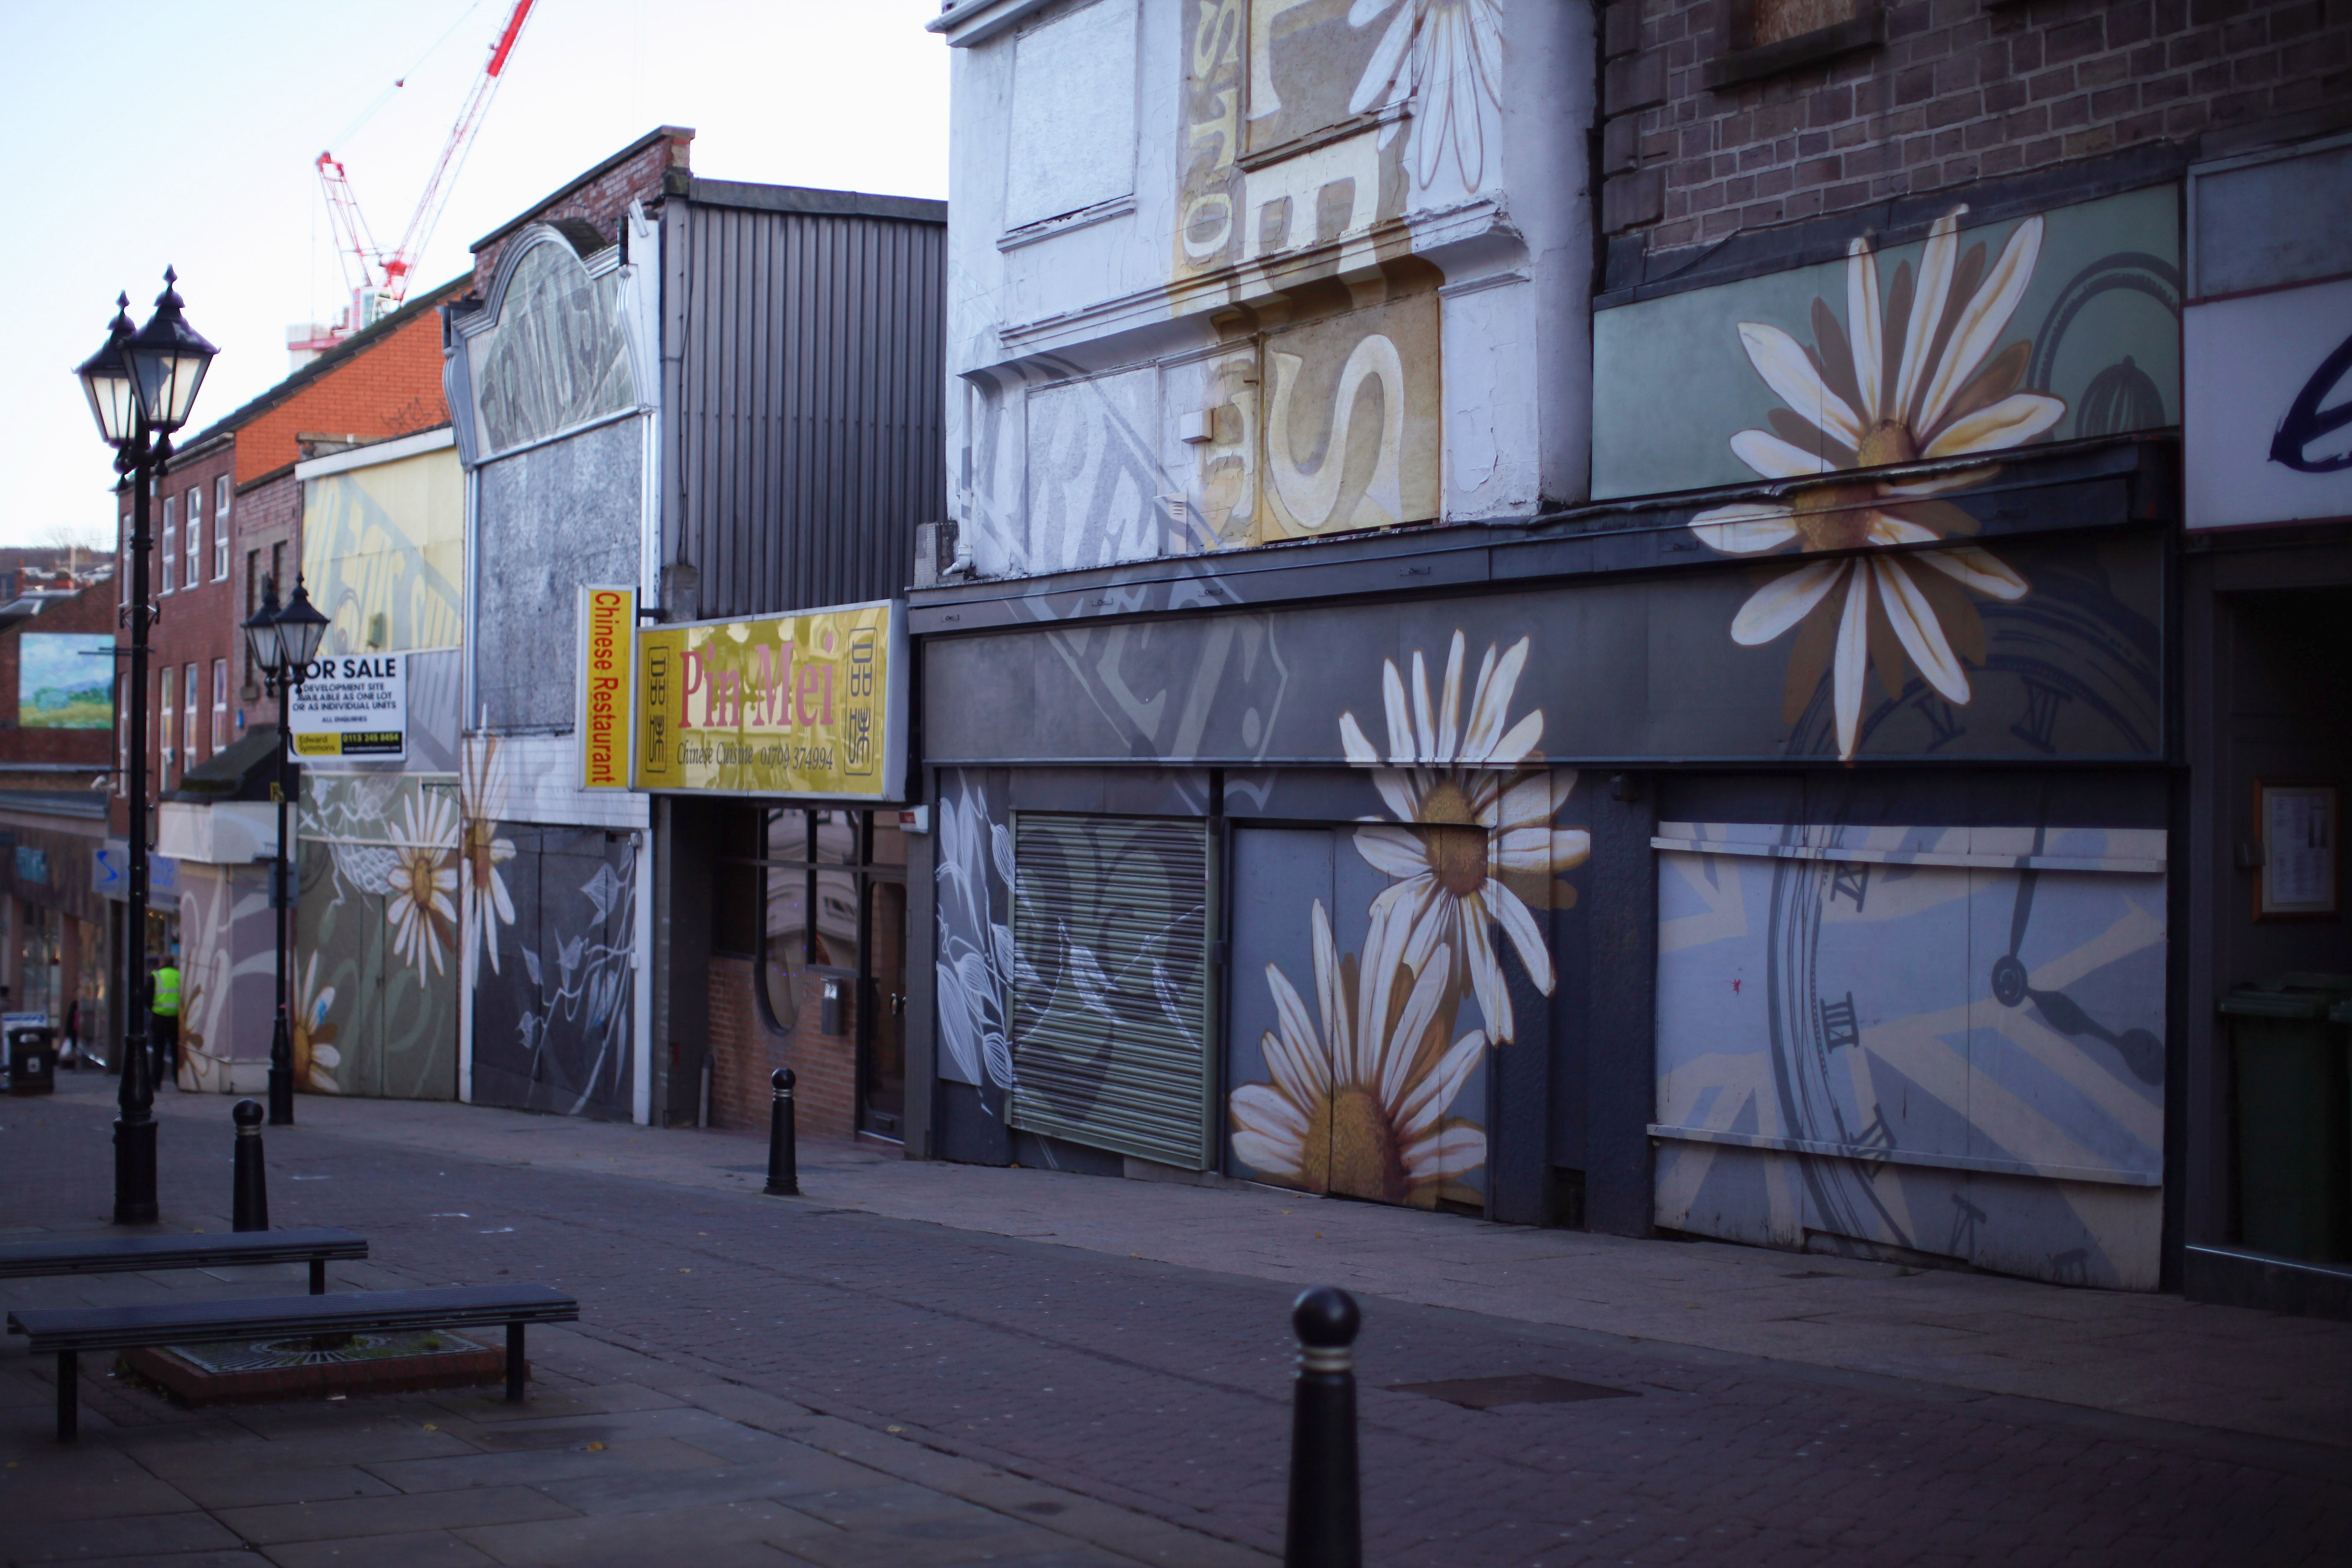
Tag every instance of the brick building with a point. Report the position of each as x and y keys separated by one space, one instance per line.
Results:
x=56 y=683
x=225 y=519
x=1933 y=297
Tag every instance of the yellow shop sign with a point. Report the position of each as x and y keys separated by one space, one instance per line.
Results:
x=811 y=704
x=608 y=620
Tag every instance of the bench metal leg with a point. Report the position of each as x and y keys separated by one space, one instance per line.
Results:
x=68 y=1391
x=318 y=1276
x=514 y=1363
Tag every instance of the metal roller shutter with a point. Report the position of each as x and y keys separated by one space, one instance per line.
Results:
x=1110 y=991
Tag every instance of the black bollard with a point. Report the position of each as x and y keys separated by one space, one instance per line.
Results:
x=1326 y=1512
x=783 y=1141
x=252 y=1201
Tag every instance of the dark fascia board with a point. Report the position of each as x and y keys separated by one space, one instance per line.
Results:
x=530 y=214
x=806 y=199
x=1867 y=31
x=2085 y=486
x=202 y=448
x=1634 y=274
x=358 y=343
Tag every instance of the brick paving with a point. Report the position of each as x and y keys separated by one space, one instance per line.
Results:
x=1007 y=1399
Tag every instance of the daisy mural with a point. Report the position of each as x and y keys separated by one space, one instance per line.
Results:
x=1359 y=1092
x=483 y=849
x=423 y=878
x=1446 y=57
x=1473 y=843
x=315 y=1055
x=1911 y=377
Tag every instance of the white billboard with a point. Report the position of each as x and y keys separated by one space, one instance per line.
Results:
x=354 y=707
x=2267 y=407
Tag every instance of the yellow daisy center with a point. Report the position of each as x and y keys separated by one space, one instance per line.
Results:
x=1352 y=1148
x=1457 y=859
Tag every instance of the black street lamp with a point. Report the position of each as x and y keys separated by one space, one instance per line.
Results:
x=283 y=642
x=141 y=386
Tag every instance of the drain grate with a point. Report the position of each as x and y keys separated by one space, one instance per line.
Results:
x=1513 y=1388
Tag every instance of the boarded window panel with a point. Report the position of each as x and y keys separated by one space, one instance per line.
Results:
x=1110 y=1041
x=1072 y=139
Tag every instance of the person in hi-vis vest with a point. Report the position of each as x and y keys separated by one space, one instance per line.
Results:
x=164 y=1014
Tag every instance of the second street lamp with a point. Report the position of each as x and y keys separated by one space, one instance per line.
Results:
x=141 y=386
x=283 y=642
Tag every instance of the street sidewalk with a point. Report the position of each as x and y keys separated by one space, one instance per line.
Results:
x=2149 y=1356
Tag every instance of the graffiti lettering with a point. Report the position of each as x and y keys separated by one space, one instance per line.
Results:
x=2307 y=422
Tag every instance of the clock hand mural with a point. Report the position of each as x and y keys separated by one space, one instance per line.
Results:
x=2142 y=1053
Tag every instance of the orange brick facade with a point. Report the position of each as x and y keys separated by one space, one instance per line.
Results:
x=391 y=387
x=744 y=1050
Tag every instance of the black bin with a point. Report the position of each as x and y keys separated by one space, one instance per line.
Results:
x=32 y=1059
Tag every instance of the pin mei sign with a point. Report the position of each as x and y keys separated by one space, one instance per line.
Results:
x=608 y=621
x=808 y=705
x=352 y=706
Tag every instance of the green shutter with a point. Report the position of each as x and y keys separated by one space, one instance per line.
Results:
x=1110 y=991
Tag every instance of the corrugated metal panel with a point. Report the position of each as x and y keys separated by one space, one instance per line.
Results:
x=1110 y=993
x=806 y=434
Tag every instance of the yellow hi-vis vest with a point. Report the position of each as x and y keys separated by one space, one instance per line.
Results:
x=167 y=992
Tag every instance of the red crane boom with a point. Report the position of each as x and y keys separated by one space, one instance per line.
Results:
x=386 y=272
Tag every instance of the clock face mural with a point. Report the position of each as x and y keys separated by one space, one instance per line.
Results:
x=1946 y=1041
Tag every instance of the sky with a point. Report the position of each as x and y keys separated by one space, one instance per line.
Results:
x=213 y=175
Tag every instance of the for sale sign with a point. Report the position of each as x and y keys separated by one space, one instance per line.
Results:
x=352 y=706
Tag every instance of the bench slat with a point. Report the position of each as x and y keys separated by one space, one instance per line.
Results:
x=360 y=1311
x=131 y=1254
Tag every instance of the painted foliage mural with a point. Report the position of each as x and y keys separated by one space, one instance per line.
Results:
x=227 y=961
x=550 y=917
x=1413 y=926
x=1949 y=1040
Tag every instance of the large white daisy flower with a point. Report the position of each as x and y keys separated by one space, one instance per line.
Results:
x=1479 y=821
x=1447 y=57
x=423 y=878
x=1359 y=1105
x=483 y=850
x=1918 y=380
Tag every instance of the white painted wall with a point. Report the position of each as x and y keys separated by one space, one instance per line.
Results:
x=1200 y=249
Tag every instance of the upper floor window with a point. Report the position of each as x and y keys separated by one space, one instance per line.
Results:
x=170 y=549
x=1765 y=38
x=220 y=528
x=196 y=535
x=190 y=728
x=1072 y=140
x=220 y=704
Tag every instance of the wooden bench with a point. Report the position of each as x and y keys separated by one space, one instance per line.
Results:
x=138 y=1254
x=69 y=1330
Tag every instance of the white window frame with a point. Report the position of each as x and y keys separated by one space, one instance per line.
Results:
x=171 y=551
x=195 y=525
x=220 y=706
x=189 y=699
x=222 y=492
x=167 y=698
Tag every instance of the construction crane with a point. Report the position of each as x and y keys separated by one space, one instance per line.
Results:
x=384 y=276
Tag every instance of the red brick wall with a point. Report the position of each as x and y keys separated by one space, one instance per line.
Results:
x=601 y=200
x=92 y=610
x=269 y=513
x=1958 y=92
x=744 y=1051
x=390 y=387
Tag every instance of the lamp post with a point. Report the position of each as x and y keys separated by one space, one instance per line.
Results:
x=283 y=642
x=141 y=388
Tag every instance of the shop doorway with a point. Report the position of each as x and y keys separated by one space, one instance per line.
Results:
x=1343 y=1078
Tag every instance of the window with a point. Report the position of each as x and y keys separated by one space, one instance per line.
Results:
x=189 y=729
x=170 y=545
x=1072 y=144
x=252 y=603
x=220 y=705
x=1765 y=38
x=122 y=737
x=122 y=562
x=278 y=569
x=168 y=698
x=220 y=526
x=195 y=536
